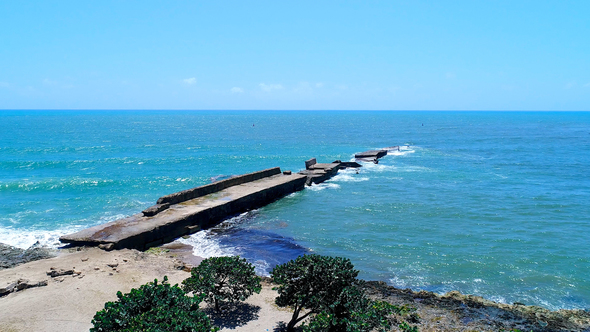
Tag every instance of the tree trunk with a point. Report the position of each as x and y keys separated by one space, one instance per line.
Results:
x=291 y=326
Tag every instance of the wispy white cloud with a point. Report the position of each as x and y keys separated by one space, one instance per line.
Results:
x=319 y=85
x=569 y=85
x=450 y=75
x=587 y=85
x=236 y=89
x=190 y=81
x=342 y=87
x=4 y=85
x=270 y=87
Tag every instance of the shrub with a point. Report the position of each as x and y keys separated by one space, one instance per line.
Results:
x=153 y=307
x=223 y=280
x=312 y=282
x=353 y=311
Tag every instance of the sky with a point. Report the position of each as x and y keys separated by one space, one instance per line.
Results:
x=295 y=55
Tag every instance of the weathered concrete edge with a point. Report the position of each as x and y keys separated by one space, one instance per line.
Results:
x=211 y=217
x=194 y=222
x=207 y=189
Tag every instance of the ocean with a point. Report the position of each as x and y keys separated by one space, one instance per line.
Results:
x=494 y=204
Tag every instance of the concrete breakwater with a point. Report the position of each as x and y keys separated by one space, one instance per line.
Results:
x=191 y=210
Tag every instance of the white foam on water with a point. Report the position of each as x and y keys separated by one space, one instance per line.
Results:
x=293 y=195
x=206 y=245
x=403 y=150
x=347 y=177
x=377 y=167
x=322 y=186
x=261 y=268
x=24 y=238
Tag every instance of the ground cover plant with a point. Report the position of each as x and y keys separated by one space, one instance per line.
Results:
x=153 y=307
x=223 y=281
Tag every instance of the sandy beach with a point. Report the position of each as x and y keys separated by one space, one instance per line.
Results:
x=68 y=302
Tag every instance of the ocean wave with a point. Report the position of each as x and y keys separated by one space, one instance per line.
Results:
x=344 y=177
x=24 y=238
x=205 y=244
x=402 y=150
x=322 y=186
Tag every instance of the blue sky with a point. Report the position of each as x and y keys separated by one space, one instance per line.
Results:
x=277 y=55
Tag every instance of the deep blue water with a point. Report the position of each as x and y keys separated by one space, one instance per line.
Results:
x=488 y=203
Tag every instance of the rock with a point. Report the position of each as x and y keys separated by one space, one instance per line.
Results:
x=107 y=246
x=22 y=284
x=113 y=265
x=287 y=172
x=7 y=289
x=60 y=272
x=179 y=265
x=84 y=259
x=12 y=256
x=155 y=209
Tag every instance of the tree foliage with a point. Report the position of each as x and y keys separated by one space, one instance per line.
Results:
x=312 y=282
x=223 y=280
x=154 y=307
x=353 y=312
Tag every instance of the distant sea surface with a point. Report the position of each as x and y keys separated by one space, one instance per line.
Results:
x=495 y=204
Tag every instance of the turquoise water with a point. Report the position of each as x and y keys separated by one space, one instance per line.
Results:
x=488 y=203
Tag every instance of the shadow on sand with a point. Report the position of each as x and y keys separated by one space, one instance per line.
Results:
x=239 y=316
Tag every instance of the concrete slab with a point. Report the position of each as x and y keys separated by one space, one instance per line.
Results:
x=371 y=154
x=141 y=232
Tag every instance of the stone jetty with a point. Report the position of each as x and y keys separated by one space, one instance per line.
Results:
x=371 y=155
x=319 y=172
x=191 y=210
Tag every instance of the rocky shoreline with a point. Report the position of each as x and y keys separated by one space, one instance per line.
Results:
x=77 y=273
x=454 y=311
x=12 y=256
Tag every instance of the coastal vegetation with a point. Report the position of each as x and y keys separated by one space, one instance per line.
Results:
x=223 y=281
x=153 y=307
x=327 y=288
x=322 y=288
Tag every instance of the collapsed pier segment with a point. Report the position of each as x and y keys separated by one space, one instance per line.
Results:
x=189 y=211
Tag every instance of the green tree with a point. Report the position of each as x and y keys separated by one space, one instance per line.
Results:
x=154 y=307
x=353 y=312
x=223 y=280
x=312 y=282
